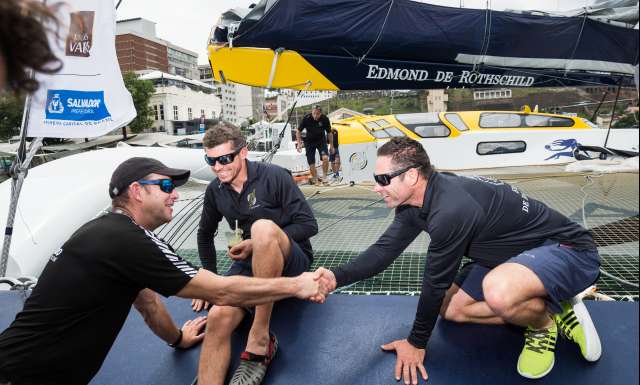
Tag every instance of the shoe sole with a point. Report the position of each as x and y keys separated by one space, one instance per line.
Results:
x=532 y=377
x=592 y=340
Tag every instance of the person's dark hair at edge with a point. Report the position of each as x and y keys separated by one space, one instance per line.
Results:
x=405 y=152
x=24 y=44
x=222 y=133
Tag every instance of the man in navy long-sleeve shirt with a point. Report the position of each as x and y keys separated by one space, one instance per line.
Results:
x=276 y=223
x=529 y=261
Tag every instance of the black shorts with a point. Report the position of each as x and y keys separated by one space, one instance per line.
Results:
x=312 y=147
x=336 y=154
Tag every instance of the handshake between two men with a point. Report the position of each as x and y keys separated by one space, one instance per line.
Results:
x=315 y=286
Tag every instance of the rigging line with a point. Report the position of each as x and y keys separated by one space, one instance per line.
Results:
x=384 y=23
x=195 y=201
x=484 y=37
x=119 y=2
x=575 y=47
x=350 y=214
x=585 y=225
x=486 y=47
x=613 y=113
x=186 y=234
x=188 y=216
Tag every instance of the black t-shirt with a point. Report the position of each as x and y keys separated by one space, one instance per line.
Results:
x=82 y=299
x=316 y=130
x=481 y=218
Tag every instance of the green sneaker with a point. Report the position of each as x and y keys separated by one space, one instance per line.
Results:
x=575 y=323
x=537 y=357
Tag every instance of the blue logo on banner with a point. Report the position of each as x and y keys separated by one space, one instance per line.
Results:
x=76 y=105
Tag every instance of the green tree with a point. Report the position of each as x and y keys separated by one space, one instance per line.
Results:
x=627 y=121
x=141 y=92
x=11 y=107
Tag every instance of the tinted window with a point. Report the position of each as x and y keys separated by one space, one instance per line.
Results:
x=547 y=121
x=491 y=148
x=387 y=132
x=457 y=122
x=499 y=120
x=425 y=125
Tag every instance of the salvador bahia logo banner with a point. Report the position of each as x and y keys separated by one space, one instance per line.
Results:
x=87 y=97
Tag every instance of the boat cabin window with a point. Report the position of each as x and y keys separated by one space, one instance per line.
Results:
x=425 y=125
x=457 y=122
x=493 y=148
x=509 y=120
x=499 y=120
x=547 y=121
x=387 y=132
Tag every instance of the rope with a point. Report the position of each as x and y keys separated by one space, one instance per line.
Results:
x=379 y=34
x=575 y=48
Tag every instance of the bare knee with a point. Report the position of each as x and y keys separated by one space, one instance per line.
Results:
x=264 y=231
x=497 y=295
x=222 y=320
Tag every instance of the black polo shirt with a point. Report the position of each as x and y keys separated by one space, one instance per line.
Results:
x=483 y=219
x=268 y=193
x=316 y=130
x=82 y=299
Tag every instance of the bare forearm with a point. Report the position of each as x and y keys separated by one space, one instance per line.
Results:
x=255 y=291
x=238 y=290
x=156 y=316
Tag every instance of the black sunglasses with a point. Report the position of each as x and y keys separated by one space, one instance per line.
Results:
x=223 y=159
x=166 y=185
x=385 y=179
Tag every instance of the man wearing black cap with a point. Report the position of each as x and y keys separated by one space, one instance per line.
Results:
x=86 y=290
x=317 y=129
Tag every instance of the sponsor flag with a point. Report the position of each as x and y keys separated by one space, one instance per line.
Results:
x=87 y=97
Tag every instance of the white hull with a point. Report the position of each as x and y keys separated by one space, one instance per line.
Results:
x=543 y=147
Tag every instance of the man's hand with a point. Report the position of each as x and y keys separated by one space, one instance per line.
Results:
x=192 y=332
x=241 y=251
x=199 y=304
x=409 y=359
x=309 y=287
x=328 y=281
x=299 y=146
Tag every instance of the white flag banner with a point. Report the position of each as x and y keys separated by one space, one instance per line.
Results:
x=87 y=97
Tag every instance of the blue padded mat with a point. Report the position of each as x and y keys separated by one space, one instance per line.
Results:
x=338 y=343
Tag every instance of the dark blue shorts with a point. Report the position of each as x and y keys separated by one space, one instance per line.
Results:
x=295 y=264
x=312 y=147
x=332 y=157
x=563 y=270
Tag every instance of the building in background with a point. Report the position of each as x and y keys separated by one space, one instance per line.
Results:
x=242 y=104
x=181 y=106
x=139 y=48
x=437 y=100
x=287 y=97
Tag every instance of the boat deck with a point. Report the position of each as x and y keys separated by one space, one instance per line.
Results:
x=351 y=218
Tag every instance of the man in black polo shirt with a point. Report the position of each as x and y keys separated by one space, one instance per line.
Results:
x=315 y=130
x=86 y=290
x=529 y=260
x=276 y=221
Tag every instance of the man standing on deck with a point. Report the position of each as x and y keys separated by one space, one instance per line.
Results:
x=86 y=290
x=276 y=221
x=529 y=261
x=317 y=133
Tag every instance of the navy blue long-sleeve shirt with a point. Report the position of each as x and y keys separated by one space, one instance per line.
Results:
x=268 y=193
x=484 y=219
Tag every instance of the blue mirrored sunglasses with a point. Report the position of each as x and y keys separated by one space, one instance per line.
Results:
x=223 y=159
x=166 y=185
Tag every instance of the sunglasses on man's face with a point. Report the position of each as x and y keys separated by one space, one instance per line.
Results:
x=166 y=185
x=223 y=159
x=385 y=179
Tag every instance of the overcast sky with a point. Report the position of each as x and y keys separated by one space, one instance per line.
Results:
x=187 y=23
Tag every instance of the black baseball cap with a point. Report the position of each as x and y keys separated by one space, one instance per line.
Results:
x=136 y=168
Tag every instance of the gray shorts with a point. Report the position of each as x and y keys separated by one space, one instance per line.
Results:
x=563 y=270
